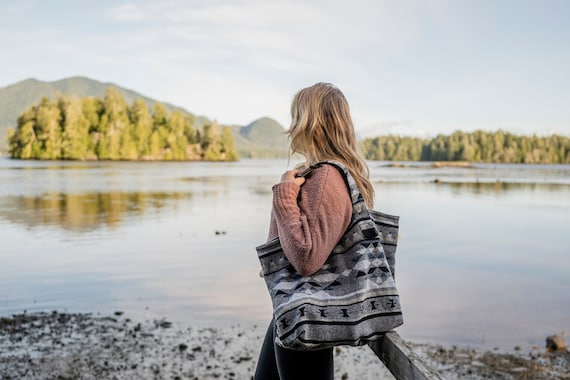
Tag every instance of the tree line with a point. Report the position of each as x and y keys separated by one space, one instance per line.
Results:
x=72 y=128
x=478 y=146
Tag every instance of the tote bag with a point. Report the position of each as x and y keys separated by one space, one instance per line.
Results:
x=352 y=299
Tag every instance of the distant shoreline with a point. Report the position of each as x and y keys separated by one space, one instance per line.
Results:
x=387 y=164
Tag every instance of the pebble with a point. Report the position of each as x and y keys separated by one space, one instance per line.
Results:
x=103 y=348
x=555 y=343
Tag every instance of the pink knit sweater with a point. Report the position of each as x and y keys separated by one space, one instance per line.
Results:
x=310 y=219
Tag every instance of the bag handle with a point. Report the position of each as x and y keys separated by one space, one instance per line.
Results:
x=355 y=194
x=360 y=212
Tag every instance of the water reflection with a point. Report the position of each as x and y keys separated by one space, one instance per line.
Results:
x=499 y=187
x=478 y=188
x=87 y=211
x=53 y=167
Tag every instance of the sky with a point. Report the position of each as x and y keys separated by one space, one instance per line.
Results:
x=407 y=67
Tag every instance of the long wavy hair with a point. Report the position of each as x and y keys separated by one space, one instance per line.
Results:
x=322 y=129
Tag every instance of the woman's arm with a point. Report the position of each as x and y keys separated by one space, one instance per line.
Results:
x=311 y=217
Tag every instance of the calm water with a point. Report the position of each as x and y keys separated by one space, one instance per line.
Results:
x=483 y=259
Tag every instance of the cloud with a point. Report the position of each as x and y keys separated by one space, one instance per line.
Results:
x=129 y=12
x=405 y=66
x=319 y=34
x=221 y=30
x=258 y=50
x=15 y=8
x=230 y=60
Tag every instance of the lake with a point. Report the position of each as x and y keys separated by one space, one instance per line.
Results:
x=483 y=258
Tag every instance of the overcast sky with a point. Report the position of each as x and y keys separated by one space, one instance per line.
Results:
x=406 y=67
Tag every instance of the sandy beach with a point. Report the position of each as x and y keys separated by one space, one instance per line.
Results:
x=86 y=346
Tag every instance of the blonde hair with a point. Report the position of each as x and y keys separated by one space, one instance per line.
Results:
x=322 y=129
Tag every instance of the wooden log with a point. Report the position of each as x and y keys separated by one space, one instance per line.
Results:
x=401 y=360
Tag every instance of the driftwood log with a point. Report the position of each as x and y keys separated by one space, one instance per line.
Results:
x=401 y=360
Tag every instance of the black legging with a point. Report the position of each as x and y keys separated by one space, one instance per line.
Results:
x=278 y=363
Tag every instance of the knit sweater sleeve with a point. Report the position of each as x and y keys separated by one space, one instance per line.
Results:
x=310 y=219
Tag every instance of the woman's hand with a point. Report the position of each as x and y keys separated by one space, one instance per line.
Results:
x=290 y=176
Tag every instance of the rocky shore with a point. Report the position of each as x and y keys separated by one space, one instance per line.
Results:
x=86 y=346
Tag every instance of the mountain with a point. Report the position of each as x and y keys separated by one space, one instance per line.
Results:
x=262 y=138
x=18 y=97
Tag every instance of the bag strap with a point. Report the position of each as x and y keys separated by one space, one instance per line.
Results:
x=355 y=195
x=359 y=208
x=362 y=225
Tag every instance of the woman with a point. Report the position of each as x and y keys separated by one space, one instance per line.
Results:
x=310 y=214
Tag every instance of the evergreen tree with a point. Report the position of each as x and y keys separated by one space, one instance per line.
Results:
x=128 y=146
x=23 y=142
x=48 y=130
x=478 y=146
x=92 y=110
x=114 y=120
x=75 y=134
x=160 y=131
x=228 y=149
x=108 y=129
x=154 y=146
x=209 y=143
x=177 y=140
x=141 y=120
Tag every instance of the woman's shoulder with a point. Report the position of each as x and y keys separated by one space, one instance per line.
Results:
x=325 y=193
x=327 y=177
x=328 y=171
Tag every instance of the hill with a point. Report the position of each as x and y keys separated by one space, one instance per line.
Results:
x=16 y=98
x=261 y=138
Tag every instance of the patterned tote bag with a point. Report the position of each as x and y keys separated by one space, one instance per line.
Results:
x=352 y=299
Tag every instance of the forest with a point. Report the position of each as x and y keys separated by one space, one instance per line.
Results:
x=91 y=128
x=478 y=146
